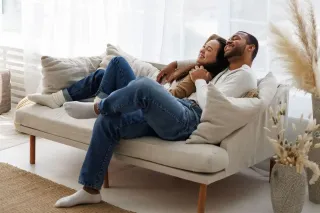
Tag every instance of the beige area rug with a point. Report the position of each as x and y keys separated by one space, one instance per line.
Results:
x=9 y=137
x=24 y=192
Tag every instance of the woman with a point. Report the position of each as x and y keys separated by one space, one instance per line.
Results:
x=104 y=82
x=139 y=108
x=186 y=87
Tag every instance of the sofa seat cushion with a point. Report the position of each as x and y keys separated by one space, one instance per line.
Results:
x=54 y=121
x=204 y=158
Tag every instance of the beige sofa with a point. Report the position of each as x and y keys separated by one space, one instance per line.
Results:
x=200 y=163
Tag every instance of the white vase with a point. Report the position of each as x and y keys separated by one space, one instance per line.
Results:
x=314 y=155
x=288 y=189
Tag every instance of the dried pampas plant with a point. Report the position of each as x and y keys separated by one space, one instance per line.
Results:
x=299 y=53
x=294 y=154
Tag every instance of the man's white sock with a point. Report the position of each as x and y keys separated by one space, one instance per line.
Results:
x=54 y=100
x=80 y=197
x=80 y=110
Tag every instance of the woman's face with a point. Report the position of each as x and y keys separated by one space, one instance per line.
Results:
x=208 y=53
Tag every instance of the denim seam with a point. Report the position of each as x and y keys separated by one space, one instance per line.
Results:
x=98 y=177
x=95 y=186
x=115 y=62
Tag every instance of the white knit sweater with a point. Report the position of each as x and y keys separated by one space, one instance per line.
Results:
x=232 y=83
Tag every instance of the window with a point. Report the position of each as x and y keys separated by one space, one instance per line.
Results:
x=10 y=23
x=11 y=15
x=253 y=17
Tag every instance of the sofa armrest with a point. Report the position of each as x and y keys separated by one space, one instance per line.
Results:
x=249 y=145
x=246 y=146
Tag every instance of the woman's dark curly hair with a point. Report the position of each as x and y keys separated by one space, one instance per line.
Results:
x=221 y=63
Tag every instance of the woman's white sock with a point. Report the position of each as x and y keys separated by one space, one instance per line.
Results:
x=54 y=100
x=96 y=99
x=80 y=110
x=80 y=197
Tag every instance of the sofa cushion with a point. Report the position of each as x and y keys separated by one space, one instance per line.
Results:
x=203 y=158
x=59 y=73
x=140 y=68
x=223 y=115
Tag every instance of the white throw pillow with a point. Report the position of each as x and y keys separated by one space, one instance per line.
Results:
x=224 y=115
x=59 y=73
x=140 y=68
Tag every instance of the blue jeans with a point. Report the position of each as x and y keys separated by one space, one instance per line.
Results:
x=101 y=83
x=132 y=108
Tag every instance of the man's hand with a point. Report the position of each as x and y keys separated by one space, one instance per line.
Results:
x=200 y=73
x=178 y=74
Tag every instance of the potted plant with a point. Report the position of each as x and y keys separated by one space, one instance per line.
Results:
x=299 y=54
x=288 y=178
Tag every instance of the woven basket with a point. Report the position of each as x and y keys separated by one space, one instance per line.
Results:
x=5 y=91
x=314 y=155
x=288 y=189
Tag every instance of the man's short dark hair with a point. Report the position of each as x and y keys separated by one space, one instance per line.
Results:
x=252 y=40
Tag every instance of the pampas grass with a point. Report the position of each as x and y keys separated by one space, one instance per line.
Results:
x=294 y=153
x=299 y=53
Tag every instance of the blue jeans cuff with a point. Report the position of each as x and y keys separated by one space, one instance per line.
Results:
x=66 y=95
x=102 y=95
x=100 y=108
x=93 y=186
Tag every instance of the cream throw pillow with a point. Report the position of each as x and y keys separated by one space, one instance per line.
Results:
x=140 y=68
x=223 y=115
x=59 y=73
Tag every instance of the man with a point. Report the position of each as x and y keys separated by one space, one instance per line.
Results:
x=144 y=108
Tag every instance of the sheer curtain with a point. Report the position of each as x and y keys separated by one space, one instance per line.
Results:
x=61 y=28
x=158 y=30
x=254 y=16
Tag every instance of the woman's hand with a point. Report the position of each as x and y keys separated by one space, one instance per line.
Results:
x=167 y=71
x=200 y=73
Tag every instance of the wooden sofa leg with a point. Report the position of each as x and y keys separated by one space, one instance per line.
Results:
x=106 y=180
x=32 y=149
x=202 y=198
x=272 y=163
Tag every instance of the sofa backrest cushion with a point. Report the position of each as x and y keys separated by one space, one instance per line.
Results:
x=59 y=73
x=140 y=68
x=223 y=115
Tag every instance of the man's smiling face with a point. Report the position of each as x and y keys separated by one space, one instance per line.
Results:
x=236 y=45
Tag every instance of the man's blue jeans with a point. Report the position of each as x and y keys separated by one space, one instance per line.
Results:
x=140 y=108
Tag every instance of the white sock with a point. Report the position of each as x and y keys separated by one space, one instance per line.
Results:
x=80 y=197
x=54 y=100
x=96 y=99
x=80 y=110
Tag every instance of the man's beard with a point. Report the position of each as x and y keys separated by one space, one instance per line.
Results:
x=238 y=51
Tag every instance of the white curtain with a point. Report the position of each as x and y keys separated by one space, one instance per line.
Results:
x=61 y=28
x=157 y=30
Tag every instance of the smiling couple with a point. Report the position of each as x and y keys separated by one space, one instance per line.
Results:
x=129 y=107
